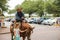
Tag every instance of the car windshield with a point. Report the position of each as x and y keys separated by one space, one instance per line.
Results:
x=46 y=18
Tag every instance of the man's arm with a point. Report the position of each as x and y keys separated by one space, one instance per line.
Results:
x=23 y=15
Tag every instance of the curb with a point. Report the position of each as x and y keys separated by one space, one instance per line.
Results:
x=5 y=33
x=4 y=27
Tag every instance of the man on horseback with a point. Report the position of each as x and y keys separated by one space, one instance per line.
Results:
x=18 y=18
x=19 y=15
x=26 y=28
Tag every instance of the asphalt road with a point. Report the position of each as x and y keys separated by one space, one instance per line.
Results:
x=45 y=32
x=41 y=32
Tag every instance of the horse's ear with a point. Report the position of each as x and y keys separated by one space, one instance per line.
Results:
x=19 y=24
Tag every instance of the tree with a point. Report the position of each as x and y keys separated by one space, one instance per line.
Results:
x=54 y=8
x=41 y=6
x=3 y=5
x=12 y=11
x=33 y=6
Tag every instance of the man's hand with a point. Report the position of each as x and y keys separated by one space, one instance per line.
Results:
x=22 y=18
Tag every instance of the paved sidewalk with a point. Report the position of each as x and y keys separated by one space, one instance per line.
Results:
x=4 y=30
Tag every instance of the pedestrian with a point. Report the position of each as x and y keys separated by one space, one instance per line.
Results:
x=17 y=32
x=12 y=29
x=0 y=23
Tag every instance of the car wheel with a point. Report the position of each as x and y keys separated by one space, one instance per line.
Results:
x=52 y=24
x=32 y=22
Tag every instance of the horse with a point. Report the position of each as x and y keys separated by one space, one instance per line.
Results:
x=28 y=32
x=24 y=26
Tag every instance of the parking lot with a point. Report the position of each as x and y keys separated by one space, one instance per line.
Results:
x=41 y=32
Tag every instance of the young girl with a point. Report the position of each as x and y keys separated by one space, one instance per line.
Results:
x=16 y=31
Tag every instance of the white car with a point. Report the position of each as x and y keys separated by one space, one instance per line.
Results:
x=7 y=19
x=49 y=21
x=7 y=24
x=30 y=20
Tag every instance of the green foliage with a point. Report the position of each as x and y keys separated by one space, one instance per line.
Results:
x=33 y=6
x=28 y=6
x=3 y=5
x=12 y=11
x=56 y=15
x=41 y=6
x=54 y=8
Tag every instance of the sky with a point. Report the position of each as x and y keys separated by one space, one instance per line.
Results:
x=13 y=3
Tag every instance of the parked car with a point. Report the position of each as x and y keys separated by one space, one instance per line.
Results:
x=7 y=23
x=35 y=20
x=32 y=20
x=29 y=20
x=8 y=19
x=13 y=19
x=49 y=21
x=40 y=20
x=57 y=21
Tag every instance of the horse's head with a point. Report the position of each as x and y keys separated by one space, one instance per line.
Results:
x=16 y=25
